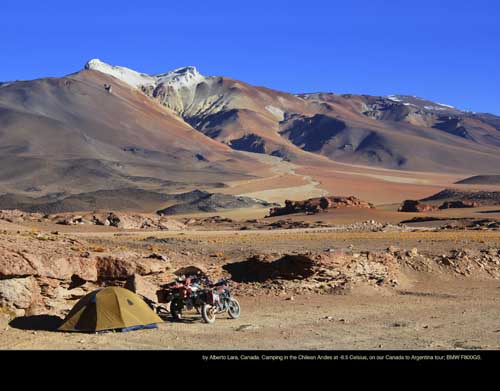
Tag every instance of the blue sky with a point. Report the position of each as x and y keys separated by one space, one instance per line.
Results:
x=447 y=51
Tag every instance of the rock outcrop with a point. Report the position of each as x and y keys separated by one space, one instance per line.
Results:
x=458 y=204
x=326 y=272
x=122 y=220
x=18 y=216
x=416 y=206
x=122 y=267
x=45 y=273
x=339 y=271
x=22 y=295
x=319 y=204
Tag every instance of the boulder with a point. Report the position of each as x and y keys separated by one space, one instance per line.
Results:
x=14 y=264
x=110 y=267
x=114 y=220
x=170 y=224
x=100 y=219
x=63 y=268
x=71 y=220
x=151 y=266
x=141 y=286
x=416 y=206
x=48 y=286
x=160 y=257
x=458 y=204
x=21 y=293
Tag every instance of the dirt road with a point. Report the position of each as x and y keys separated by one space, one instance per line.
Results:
x=285 y=170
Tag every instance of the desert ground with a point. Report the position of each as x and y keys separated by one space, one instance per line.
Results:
x=433 y=315
x=433 y=305
x=344 y=278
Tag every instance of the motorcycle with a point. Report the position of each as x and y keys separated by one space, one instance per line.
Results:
x=218 y=299
x=206 y=298
x=182 y=294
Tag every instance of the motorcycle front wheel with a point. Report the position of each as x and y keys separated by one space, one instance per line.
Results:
x=176 y=306
x=208 y=313
x=234 y=308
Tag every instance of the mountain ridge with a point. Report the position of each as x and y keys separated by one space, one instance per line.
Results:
x=107 y=127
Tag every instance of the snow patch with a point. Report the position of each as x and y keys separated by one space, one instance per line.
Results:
x=186 y=77
x=437 y=108
x=442 y=104
x=126 y=75
x=394 y=98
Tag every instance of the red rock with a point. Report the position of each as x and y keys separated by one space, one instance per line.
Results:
x=458 y=204
x=416 y=206
x=316 y=205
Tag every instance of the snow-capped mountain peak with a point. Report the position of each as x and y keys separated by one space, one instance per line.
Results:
x=181 y=77
x=186 y=77
x=126 y=75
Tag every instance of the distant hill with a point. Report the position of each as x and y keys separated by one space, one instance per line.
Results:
x=481 y=180
x=200 y=201
x=482 y=197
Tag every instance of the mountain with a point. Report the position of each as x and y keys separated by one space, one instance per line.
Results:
x=109 y=127
x=71 y=134
x=403 y=132
x=399 y=132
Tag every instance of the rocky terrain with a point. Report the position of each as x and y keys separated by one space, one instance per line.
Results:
x=203 y=201
x=316 y=205
x=44 y=273
x=377 y=279
x=110 y=219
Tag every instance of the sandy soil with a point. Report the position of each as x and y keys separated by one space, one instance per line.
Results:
x=435 y=314
x=286 y=183
x=286 y=180
x=379 y=186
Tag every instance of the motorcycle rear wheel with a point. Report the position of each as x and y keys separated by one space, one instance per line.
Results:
x=234 y=308
x=208 y=313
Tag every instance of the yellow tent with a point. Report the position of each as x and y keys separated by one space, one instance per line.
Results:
x=110 y=308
